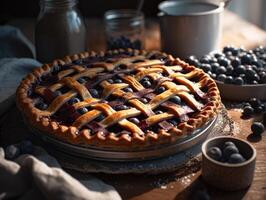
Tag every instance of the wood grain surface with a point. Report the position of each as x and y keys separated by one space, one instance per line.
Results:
x=187 y=184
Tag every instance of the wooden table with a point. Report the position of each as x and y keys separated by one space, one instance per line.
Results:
x=184 y=186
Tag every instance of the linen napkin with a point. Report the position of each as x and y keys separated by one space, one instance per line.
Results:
x=36 y=176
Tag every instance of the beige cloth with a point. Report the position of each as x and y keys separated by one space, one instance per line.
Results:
x=40 y=177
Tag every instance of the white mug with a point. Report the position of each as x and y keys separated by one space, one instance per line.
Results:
x=190 y=27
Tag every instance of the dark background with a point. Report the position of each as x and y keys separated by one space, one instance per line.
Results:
x=10 y=9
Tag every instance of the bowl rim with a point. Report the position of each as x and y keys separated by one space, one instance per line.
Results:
x=251 y=159
x=241 y=86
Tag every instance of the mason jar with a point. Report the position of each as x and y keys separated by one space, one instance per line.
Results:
x=124 y=29
x=60 y=30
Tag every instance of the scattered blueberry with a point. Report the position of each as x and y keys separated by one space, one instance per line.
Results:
x=215 y=153
x=82 y=111
x=175 y=99
x=146 y=84
x=229 y=150
x=134 y=120
x=128 y=89
x=94 y=93
x=257 y=128
x=11 y=152
x=122 y=107
x=236 y=158
x=73 y=101
x=41 y=105
x=161 y=89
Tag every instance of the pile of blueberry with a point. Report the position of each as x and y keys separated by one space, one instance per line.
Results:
x=255 y=106
x=14 y=150
x=123 y=42
x=229 y=153
x=234 y=65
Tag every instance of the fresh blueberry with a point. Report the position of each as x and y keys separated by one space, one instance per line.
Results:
x=57 y=93
x=238 y=81
x=250 y=72
x=175 y=99
x=246 y=59
x=235 y=62
x=248 y=111
x=228 y=143
x=94 y=93
x=214 y=67
x=11 y=152
x=240 y=69
x=160 y=89
x=41 y=105
x=223 y=61
x=221 y=77
x=257 y=128
x=204 y=60
x=228 y=80
x=26 y=147
x=215 y=153
x=259 y=109
x=134 y=120
x=229 y=70
x=229 y=150
x=82 y=80
x=122 y=107
x=73 y=101
x=146 y=84
x=82 y=111
x=128 y=89
x=254 y=102
x=236 y=158
x=221 y=70
x=206 y=67
x=118 y=81
x=218 y=55
x=145 y=79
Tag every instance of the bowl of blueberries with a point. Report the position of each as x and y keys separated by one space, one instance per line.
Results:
x=240 y=74
x=228 y=163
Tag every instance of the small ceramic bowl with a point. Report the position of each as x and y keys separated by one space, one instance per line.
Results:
x=228 y=176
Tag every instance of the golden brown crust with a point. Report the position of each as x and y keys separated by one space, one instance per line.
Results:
x=39 y=120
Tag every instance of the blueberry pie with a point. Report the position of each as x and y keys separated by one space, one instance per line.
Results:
x=121 y=99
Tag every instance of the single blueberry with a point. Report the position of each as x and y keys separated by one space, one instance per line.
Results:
x=94 y=93
x=223 y=61
x=228 y=80
x=144 y=100
x=215 y=153
x=157 y=112
x=229 y=70
x=259 y=109
x=238 y=81
x=228 y=143
x=134 y=120
x=257 y=128
x=145 y=79
x=128 y=89
x=236 y=158
x=250 y=72
x=41 y=105
x=173 y=122
x=248 y=111
x=246 y=59
x=206 y=67
x=235 y=62
x=100 y=117
x=176 y=99
x=26 y=147
x=218 y=55
x=110 y=80
x=122 y=107
x=73 y=101
x=221 y=77
x=11 y=152
x=82 y=111
x=214 y=67
x=254 y=102
x=221 y=70
x=146 y=84
x=57 y=93
x=229 y=150
x=240 y=69
x=160 y=89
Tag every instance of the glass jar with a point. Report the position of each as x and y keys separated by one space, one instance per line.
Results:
x=124 y=29
x=60 y=30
